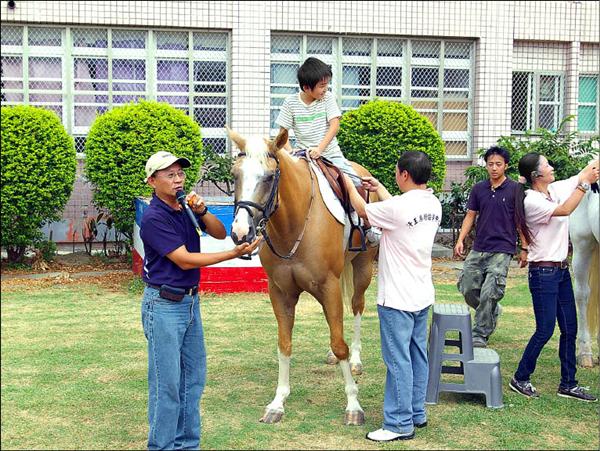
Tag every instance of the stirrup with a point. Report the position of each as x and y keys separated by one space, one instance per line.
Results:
x=361 y=232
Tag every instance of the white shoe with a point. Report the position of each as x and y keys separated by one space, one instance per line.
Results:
x=383 y=435
x=373 y=236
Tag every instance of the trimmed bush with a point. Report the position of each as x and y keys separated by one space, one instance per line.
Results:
x=377 y=133
x=38 y=173
x=118 y=146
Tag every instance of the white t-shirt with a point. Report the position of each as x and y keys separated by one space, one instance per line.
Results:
x=550 y=233
x=409 y=224
x=310 y=122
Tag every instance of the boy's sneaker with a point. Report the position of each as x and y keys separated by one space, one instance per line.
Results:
x=373 y=236
x=525 y=388
x=383 y=435
x=576 y=392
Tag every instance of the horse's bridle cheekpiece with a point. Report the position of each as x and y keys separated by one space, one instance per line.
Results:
x=269 y=209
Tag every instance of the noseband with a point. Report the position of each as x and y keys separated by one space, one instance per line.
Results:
x=269 y=209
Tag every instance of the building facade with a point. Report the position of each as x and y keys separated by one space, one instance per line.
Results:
x=478 y=70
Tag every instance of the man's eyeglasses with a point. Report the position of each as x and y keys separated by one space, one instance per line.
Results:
x=171 y=175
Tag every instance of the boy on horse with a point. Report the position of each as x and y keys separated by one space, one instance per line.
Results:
x=314 y=116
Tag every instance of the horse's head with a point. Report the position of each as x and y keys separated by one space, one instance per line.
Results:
x=256 y=175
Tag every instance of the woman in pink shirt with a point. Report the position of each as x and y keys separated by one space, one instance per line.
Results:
x=548 y=205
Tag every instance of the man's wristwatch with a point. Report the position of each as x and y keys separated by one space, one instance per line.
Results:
x=583 y=186
x=203 y=212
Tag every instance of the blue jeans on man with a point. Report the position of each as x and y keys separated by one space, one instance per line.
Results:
x=553 y=299
x=404 y=350
x=176 y=364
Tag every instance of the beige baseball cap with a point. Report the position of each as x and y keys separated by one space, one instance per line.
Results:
x=162 y=160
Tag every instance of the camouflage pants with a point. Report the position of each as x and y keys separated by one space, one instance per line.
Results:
x=482 y=282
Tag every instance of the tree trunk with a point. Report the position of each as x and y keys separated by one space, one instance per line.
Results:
x=15 y=254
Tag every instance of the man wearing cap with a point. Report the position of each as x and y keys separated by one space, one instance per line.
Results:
x=170 y=304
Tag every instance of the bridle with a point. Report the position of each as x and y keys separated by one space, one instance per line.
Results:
x=269 y=209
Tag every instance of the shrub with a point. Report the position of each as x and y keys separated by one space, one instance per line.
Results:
x=377 y=133
x=566 y=152
x=38 y=173
x=118 y=145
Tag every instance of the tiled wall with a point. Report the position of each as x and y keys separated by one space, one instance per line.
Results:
x=560 y=35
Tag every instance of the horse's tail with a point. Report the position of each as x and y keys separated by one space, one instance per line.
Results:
x=347 y=283
x=593 y=307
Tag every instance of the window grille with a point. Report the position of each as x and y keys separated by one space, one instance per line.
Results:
x=537 y=101
x=434 y=76
x=588 y=106
x=82 y=72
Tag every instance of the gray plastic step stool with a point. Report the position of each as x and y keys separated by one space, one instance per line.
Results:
x=480 y=367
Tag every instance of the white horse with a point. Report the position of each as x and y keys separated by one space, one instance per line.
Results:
x=584 y=224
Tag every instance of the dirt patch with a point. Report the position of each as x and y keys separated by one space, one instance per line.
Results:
x=70 y=263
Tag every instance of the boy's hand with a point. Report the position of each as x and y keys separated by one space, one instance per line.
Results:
x=314 y=152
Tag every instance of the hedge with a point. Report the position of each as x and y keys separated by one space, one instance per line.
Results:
x=378 y=132
x=118 y=145
x=38 y=173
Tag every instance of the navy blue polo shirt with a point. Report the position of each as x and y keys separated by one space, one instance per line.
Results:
x=496 y=230
x=163 y=230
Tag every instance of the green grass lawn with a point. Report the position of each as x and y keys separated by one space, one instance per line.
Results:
x=74 y=377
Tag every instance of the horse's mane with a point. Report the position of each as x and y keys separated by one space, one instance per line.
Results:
x=257 y=149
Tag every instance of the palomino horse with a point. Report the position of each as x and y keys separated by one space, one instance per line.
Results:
x=584 y=223
x=277 y=195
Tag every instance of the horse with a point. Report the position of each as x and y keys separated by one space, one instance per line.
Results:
x=277 y=195
x=584 y=224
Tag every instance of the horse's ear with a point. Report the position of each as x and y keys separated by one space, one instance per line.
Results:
x=281 y=139
x=236 y=138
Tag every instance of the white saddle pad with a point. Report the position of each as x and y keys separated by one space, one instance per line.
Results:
x=331 y=201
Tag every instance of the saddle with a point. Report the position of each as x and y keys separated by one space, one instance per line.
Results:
x=333 y=174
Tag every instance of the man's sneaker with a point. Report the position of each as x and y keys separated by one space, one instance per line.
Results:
x=479 y=342
x=373 y=236
x=525 y=388
x=576 y=392
x=383 y=435
x=421 y=425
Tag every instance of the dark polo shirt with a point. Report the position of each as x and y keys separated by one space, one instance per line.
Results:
x=163 y=230
x=496 y=230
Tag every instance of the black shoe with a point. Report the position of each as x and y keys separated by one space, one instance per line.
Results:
x=576 y=392
x=525 y=388
x=479 y=342
x=421 y=425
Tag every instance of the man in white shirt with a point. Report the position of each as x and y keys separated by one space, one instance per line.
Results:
x=404 y=289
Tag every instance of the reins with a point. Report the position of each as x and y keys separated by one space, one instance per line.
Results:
x=269 y=209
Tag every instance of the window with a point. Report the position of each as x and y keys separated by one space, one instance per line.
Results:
x=103 y=68
x=588 y=107
x=536 y=101
x=435 y=77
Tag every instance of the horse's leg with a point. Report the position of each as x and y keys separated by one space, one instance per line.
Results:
x=331 y=300
x=362 y=274
x=284 y=308
x=582 y=255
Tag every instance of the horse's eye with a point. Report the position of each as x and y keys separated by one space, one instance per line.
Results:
x=268 y=177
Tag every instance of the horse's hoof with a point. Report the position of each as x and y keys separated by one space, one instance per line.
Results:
x=271 y=416
x=585 y=361
x=356 y=369
x=356 y=418
x=331 y=359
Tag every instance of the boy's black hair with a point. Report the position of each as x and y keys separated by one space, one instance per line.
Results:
x=313 y=71
x=496 y=150
x=417 y=164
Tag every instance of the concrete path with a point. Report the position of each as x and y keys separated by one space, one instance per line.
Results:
x=76 y=275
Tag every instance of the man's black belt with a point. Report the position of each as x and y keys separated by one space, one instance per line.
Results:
x=562 y=265
x=188 y=291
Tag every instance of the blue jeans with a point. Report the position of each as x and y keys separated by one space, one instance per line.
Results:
x=176 y=370
x=553 y=299
x=404 y=351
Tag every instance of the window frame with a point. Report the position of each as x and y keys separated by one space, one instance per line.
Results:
x=595 y=104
